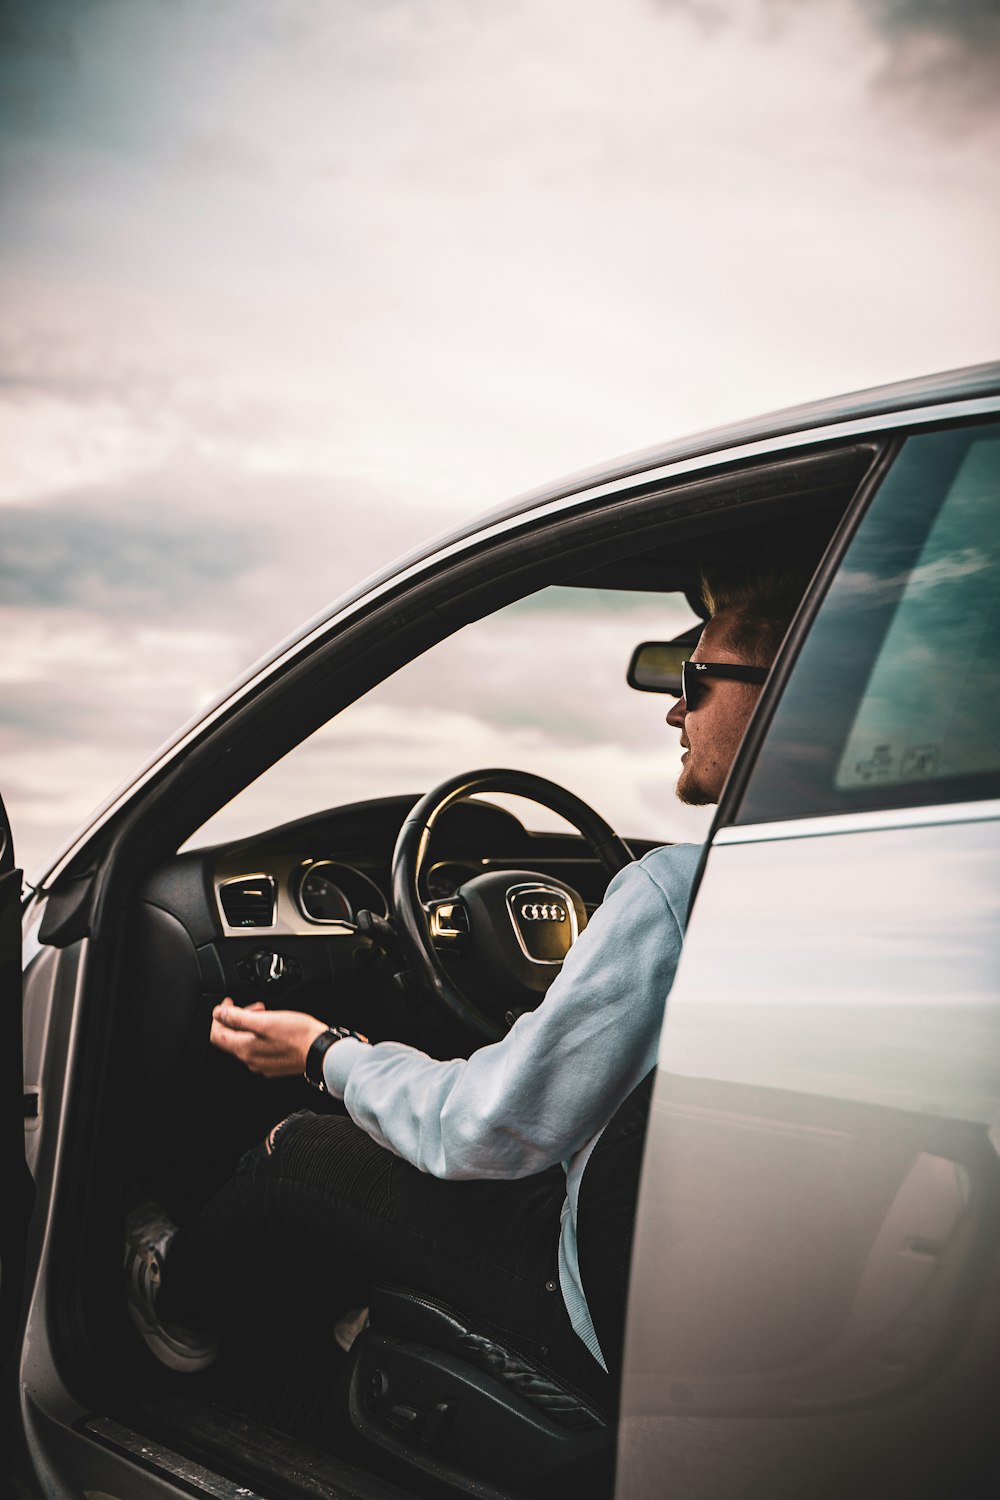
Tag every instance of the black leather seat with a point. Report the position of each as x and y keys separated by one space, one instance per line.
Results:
x=440 y=1394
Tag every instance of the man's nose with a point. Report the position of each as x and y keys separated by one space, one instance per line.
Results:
x=675 y=717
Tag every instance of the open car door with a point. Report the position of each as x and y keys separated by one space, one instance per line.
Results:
x=13 y=1167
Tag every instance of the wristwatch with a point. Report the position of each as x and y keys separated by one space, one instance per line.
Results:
x=317 y=1052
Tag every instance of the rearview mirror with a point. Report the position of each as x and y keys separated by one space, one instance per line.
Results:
x=656 y=665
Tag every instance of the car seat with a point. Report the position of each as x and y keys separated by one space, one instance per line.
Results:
x=441 y=1393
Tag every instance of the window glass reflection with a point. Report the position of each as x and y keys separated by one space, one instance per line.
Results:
x=931 y=707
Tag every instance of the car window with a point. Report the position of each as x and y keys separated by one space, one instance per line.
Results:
x=894 y=700
x=537 y=686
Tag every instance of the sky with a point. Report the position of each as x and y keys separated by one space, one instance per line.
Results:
x=288 y=285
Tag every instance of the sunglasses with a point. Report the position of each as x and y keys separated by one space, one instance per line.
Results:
x=695 y=675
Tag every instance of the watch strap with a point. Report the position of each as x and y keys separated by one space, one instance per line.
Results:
x=313 y=1072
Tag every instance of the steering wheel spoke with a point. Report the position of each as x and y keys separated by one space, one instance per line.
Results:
x=447 y=922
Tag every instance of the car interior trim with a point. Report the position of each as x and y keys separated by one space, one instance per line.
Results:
x=312 y=867
x=159 y=1459
x=263 y=877
x=288 y=916
x=857 y=427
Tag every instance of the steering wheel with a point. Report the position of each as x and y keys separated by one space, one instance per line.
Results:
x=516 y=925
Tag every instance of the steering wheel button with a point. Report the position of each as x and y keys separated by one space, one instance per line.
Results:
x=449 y=919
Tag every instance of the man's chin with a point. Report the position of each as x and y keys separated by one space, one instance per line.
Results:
x=691 y=792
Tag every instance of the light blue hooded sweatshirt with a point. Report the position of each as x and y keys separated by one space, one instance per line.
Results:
x=544 y=1093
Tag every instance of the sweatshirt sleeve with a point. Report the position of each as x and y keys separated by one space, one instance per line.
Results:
x=535 y=1097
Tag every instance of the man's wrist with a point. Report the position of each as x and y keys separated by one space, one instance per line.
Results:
x=320 y=1046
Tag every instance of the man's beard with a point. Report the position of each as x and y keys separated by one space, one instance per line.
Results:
x=691 y=792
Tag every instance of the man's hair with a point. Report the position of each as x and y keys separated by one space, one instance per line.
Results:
x=761 y=596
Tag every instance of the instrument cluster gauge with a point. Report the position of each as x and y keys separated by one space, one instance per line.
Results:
x=329 y=894
x=320 y=898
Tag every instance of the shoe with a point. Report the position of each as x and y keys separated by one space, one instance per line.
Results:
x=148 y=1235
x=349 y=1326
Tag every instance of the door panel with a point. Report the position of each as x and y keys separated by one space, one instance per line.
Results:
x=814 y=1303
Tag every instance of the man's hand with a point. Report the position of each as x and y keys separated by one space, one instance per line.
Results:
x=272 y=1042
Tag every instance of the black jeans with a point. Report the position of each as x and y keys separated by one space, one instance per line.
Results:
x=301 y=1232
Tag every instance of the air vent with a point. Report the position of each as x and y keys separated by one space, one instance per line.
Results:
x=248 y=901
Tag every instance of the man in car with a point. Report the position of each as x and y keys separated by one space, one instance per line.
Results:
x=467 y=1180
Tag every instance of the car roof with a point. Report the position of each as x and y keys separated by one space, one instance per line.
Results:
x=928 y=390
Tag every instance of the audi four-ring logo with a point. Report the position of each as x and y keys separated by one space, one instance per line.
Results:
x=543 y=911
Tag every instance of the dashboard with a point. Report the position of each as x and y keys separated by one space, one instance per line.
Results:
x=274 y=918
x=311 y=878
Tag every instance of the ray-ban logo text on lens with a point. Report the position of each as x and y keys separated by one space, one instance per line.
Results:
x=543 y=911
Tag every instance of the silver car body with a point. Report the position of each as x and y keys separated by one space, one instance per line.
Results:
x=803 y=1283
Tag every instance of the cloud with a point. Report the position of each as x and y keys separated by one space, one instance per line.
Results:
x=499 y=245
x=553 y=664
x=126 y=607
x=969 y=24
x=133 y=559
x=224 y=535
x=55 y=439
x=942 y=53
